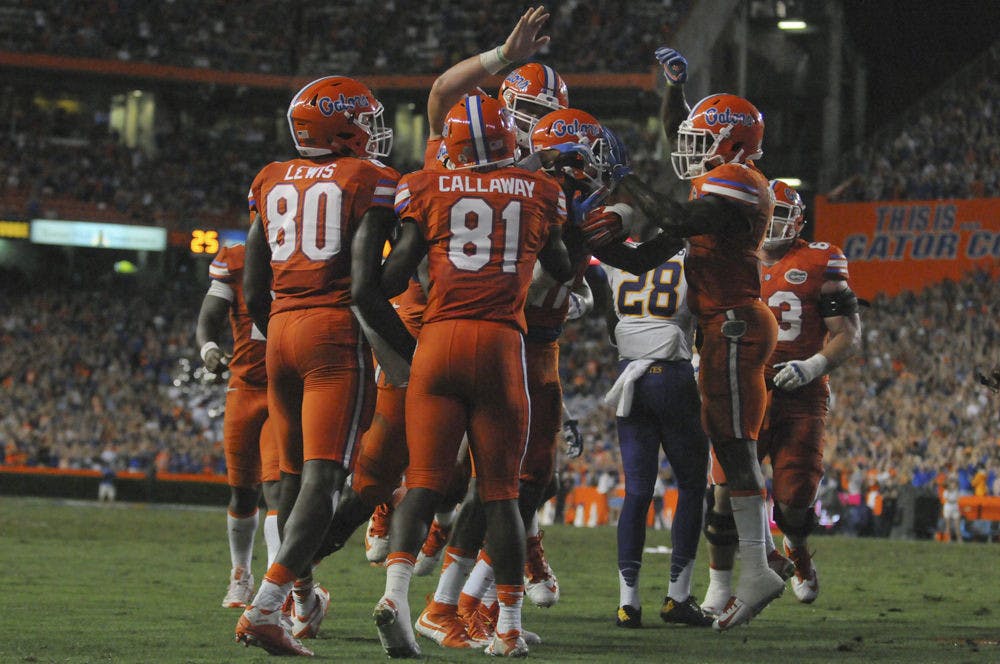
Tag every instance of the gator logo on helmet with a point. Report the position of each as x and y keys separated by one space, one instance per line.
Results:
x=575 y=128
x=342 y=103
x=728 y=117
x=517 y=81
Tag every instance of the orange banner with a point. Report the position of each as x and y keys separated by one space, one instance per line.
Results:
x=892 y=246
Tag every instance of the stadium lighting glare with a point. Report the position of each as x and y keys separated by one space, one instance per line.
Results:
x=792 y=25
x=794 y=183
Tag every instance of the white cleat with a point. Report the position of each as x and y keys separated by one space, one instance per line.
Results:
x=307 y=626
x=716 y=598
x=540 y=584
x=543 y=592
x=509 y=644
x=394 y=630
x=752 y=595
x=240 y=589
x=806 y=590
x=376 y=541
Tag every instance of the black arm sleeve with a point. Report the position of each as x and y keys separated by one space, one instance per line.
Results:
x=840 y=303
x=709 y=215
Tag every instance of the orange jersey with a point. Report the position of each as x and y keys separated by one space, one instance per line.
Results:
x=247 y=363
x=484 y=232
x=722 y=271
x=791 y=288
x=435 y=146
x=548 y=299
x=410 y=305
x=310 y=212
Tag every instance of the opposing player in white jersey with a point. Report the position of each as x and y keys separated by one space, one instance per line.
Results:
x=658 y=407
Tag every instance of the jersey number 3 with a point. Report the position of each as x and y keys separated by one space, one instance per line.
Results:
x=788 y=308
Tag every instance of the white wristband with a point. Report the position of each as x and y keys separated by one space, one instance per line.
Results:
x=493 y=60
x=817 y=364
x=623 y=210
x=209 y=345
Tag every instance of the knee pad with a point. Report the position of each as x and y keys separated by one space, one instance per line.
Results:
x=800 y=531
x=720 y=529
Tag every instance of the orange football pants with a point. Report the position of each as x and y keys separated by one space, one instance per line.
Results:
x=321 y=387
x=545 y=391
x=468 y=376
x=250 y=447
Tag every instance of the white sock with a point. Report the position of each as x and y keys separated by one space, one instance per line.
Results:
x=490 y=596
x=768 y=537
x=271 y=537
x=454 y=572
x=680 y=579
x=302 y=594
x=532 y=529
x=241 y=531
x=628 y=595
x=720 y=578
x=510 y=609
x=271 y=596
x=397 y=579
x=479 y=581
x=751 y=522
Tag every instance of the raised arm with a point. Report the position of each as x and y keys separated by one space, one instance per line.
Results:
x=709 y=215
x=674 y=107
x=465 y=76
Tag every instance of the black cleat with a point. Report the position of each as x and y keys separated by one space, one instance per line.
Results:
x=629 y=617
x=686 y=612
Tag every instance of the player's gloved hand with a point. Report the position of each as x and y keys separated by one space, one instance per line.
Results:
x=602 y=227
x=617 y=161
x=675 y=65
x=793 y=375
x=573 y=439
x=214 y=359
x=581 y=205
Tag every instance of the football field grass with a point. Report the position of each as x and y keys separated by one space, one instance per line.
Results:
x=134 y=583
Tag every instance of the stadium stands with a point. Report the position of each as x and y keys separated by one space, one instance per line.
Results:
x=948 y=146
x=315 y=38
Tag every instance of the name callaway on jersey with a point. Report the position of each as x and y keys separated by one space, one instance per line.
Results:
x=465 y=183
x=329 y=106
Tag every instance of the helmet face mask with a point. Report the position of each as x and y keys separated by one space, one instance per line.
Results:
x=720 y=129
x=530 y=92
x=585 y=164
x=788 y=217
x=338 y=116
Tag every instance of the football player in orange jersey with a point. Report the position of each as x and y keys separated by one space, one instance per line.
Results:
x=806 y=286
x=725 y=221
x=321 y=389
x=251 y=451
x=482 y=227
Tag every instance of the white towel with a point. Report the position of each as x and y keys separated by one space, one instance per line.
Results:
x=624 y=388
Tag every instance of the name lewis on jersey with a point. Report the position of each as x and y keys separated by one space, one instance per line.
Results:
x=329 y=106
x=468 y=184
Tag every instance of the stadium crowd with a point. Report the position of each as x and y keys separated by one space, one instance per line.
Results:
x=947 y=147
x=50 y=156
x=269 y=38
x=89 y=380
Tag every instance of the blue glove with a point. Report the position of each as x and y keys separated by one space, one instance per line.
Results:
x=582 y=205
x=675 y=66
x=617 y=163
